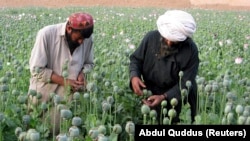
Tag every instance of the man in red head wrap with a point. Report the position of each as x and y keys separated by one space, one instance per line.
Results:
x=62 y=53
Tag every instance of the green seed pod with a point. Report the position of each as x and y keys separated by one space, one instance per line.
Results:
x=4 y=80
x=246 y=113
x=115 y=89
x=164 y=103
x=198 y=119
x=13 y=81
x=247 y=121
x=65 y=67
x=188 y=83
x=227 y=109
x=22 y=99
x=85 y=71
x=230 y=117
x=76 y=96
x=102 y=137
x=200 y=88
x=34 y=136
x=226 y=83
x=65 y=74
x=181 y=73
x=215 y=87
x=208 y=88
x=93 y=133
x=39 y=95
x=19 y=69
x=43 y=105
x=91 y=87
x=74 y=131
x=164 y=111
x=110 y=99
x=241 y=120
x=239 y=109
x=32 y=92
x=62 y=137
x=172 y=113
x=76 y=121
x=66 y=114
x=15 y=92
x=98 y=122
x=59 y=107
x=145 y=109
x=153 y=113
x=57 y=99
x=117 y=129
x=51 y=95
x=26 y=119
x=229 y=95
x=145 y=92
x=247 y=108
x=4 y=88
x=95 y=76
x=247 y=99
x=174 y=102
x=18 y=110
x=86 y=95
x=107 y=84
x=184 y=92
x=102 y=129
x=22 y=136
x=130 y=127
x=224 y=121
x=149 y=93
x=18 y=131
x=105 y=106
x=165 y=121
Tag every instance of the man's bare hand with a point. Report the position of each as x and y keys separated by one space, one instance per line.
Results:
x=137 y=85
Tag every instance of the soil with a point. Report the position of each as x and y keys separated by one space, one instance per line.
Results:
x=126 y=3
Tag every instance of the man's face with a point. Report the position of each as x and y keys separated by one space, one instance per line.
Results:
x=74 y=38
x=168 y=47
x=170 y=44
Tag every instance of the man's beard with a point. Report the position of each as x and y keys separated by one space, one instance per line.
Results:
x=72 y=44
x=166 y=50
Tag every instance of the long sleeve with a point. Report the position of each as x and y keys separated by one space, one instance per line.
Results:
x=89 y=56
x=39 y=59
x=137 y=59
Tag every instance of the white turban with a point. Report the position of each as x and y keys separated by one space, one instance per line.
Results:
x=176 y=25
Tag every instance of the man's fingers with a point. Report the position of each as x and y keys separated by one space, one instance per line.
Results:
x=142 y=84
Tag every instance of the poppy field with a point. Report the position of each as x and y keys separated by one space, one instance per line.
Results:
x=108 y=110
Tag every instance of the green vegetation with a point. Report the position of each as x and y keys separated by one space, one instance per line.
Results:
x=108 y=109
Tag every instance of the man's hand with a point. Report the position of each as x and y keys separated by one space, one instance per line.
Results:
x=81 y=78
x=137 y=85
x=74 y=84
x=154 y=100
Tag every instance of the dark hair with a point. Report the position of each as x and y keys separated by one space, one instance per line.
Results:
x=86 y=32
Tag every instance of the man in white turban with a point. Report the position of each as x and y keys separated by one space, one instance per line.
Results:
x=165 y=61
x=176 y=25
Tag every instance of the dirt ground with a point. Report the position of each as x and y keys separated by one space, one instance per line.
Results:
x=126 y=3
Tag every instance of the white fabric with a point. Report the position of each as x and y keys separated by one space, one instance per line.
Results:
x=50 y=53
x=176 y=25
